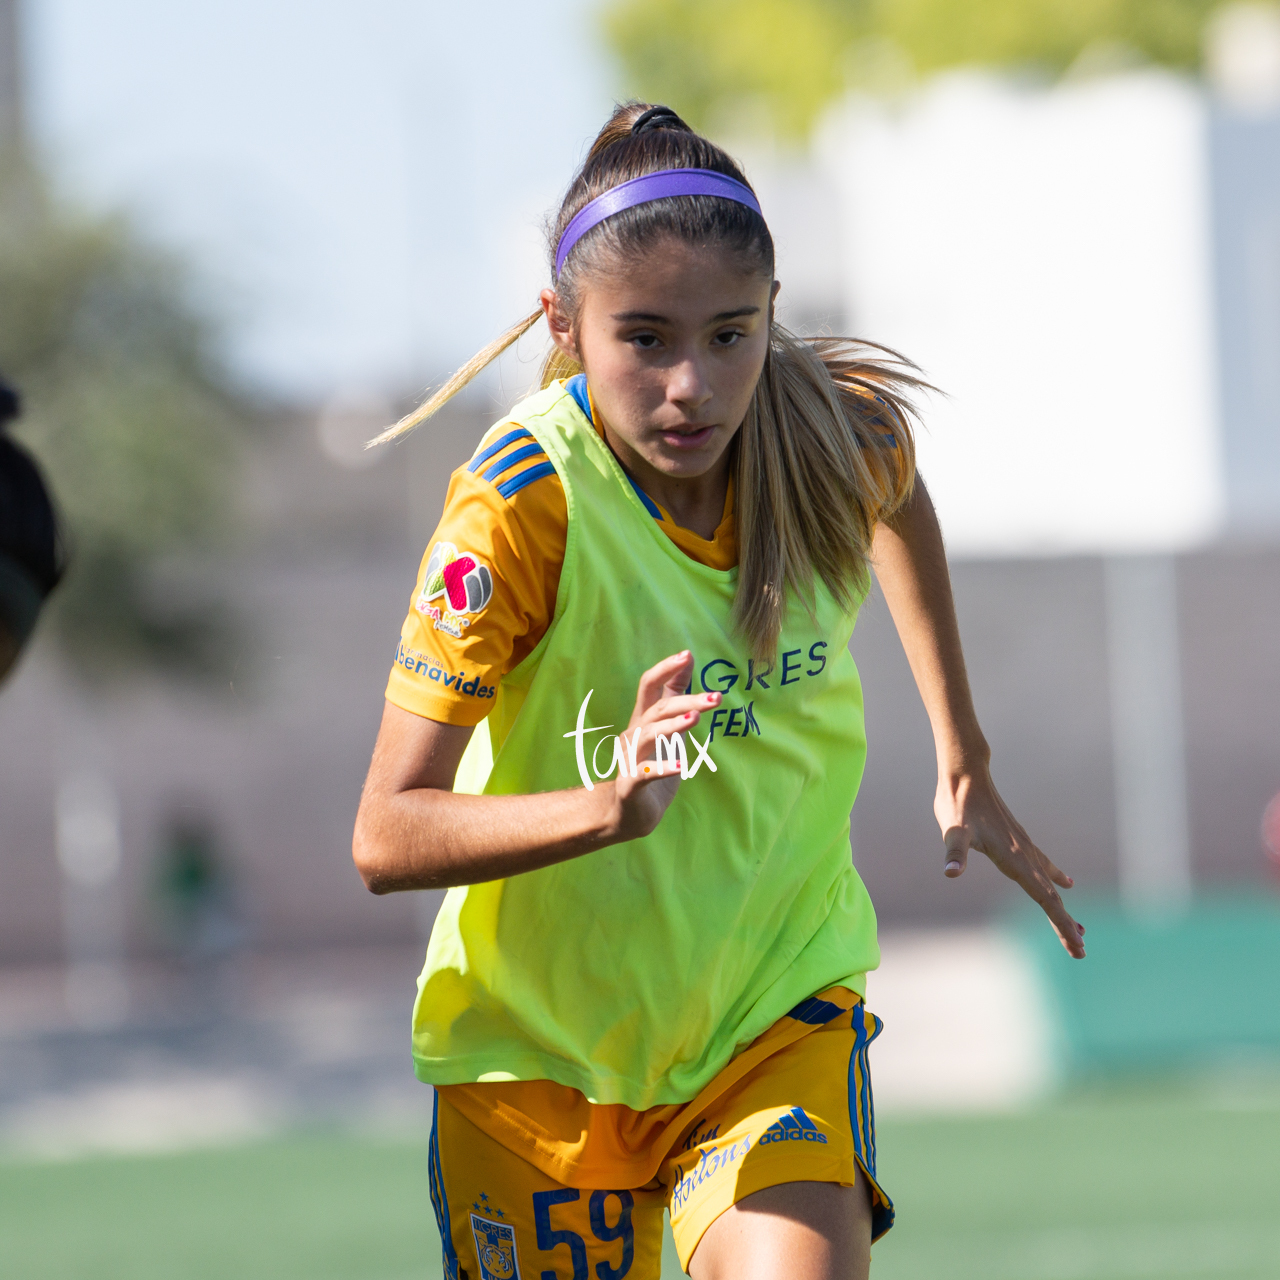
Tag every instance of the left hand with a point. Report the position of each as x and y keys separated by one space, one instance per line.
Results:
x=973 y=816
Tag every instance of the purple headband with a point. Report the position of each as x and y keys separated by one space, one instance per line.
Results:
x=653 y=186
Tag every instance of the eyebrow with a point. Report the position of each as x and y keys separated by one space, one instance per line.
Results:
x=653 y=318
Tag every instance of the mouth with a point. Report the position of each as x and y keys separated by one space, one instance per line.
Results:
x=686 y=436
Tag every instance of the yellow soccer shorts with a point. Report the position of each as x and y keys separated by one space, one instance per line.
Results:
x=803 y=1114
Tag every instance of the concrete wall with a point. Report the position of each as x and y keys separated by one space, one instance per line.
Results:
x=1035 y=637
x=277 y=756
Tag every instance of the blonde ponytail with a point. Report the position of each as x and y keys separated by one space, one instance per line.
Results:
x=479 y=361
x=825 y=452
x=558 y=364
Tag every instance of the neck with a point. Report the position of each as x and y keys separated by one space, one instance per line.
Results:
x=693 y=502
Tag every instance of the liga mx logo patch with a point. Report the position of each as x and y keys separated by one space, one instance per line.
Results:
x=495 y=1248
x=464 y=582
x=462 y=578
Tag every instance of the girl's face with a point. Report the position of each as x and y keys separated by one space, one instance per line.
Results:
x=673 y=343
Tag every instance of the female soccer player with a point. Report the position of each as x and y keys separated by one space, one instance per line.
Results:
x=644 y=987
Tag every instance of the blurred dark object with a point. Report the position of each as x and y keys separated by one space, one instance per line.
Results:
x=10 y=404
x=195 y=890
x=31 y=557
x=139 y=425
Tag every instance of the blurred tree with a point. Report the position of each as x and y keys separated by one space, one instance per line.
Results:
x=716 y=58
x=132 y=417
x=706 y=57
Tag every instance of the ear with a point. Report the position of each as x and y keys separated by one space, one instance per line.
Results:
x=558 y=324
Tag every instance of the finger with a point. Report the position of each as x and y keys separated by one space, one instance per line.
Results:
x=646 y=744
x=1069 y=932
x=957 y=840
x=653 y=771
x=679 y=680
x=1028 y=867
x=670 y=676
x=1051 y=869
x=1060 y=877
x=682 y=704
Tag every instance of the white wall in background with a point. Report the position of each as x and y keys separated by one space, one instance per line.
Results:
x=801 y=203
x=1044 y=255
x=966 y=1023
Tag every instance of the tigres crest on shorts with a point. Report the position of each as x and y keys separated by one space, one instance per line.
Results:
x=495 y=1249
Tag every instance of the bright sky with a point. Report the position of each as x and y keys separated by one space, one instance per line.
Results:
x=362 y=184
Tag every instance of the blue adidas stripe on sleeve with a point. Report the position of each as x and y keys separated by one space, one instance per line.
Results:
x=497 y=447
x=517 y=482
x=508 y=488
x=534 y=450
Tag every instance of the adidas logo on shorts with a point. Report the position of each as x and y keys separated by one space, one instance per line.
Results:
x=795 y=1126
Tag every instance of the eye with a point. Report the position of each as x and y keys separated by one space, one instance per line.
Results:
x=727 y=337
x=645 y=341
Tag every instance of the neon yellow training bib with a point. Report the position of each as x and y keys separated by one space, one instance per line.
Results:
x=634 y=973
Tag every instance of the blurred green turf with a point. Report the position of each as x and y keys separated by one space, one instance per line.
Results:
x=1173 y=1182
x=1158 y=1182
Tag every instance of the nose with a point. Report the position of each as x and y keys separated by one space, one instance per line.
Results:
x=688 y=384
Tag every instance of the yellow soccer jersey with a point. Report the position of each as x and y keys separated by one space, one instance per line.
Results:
x=486 y=589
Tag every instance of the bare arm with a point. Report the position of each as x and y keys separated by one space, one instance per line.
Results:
x=413 y=832
x=911 y=566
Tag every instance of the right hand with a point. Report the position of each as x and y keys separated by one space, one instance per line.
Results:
x=663 y=707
